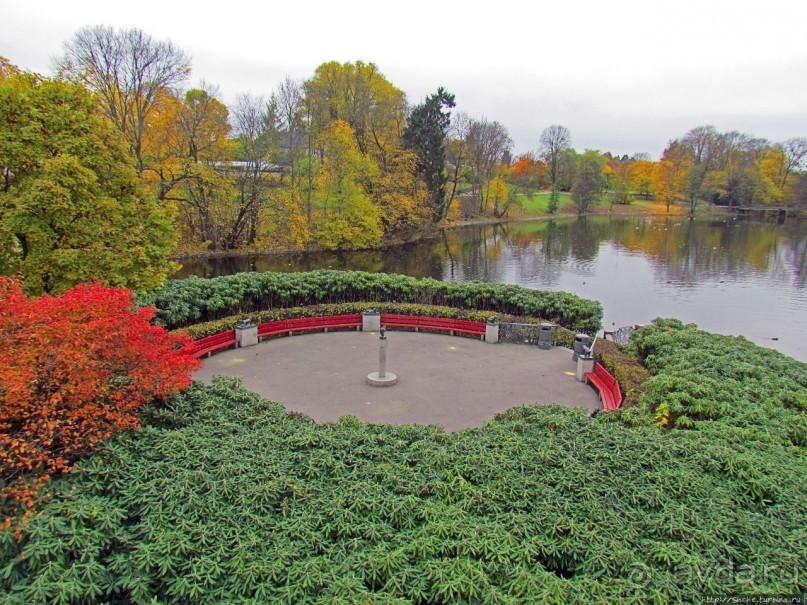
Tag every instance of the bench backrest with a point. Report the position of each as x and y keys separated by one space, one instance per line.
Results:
x=467 y=324
x=215 y=339
x=609 y=381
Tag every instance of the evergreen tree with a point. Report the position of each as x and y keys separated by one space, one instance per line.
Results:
x=425 y=134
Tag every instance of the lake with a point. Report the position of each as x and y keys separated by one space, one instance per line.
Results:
x=730 y=275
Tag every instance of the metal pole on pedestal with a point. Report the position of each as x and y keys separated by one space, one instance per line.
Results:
x=382 y=355
x=382 y=378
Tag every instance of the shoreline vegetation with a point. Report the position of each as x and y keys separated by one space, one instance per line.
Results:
x=639 y=207
x=146 y=172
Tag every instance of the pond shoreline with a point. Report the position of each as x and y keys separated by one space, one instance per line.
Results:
x=435 y=232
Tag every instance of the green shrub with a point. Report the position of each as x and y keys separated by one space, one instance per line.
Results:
x=184 y=302
x=698 y=378
x=227 y=498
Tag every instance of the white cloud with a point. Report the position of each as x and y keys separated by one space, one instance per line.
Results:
x=622 y=76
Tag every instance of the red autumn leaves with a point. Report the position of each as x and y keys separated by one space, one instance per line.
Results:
x=74 y=371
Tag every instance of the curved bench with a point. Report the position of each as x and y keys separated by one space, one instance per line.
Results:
x=283 y=327
x=437 y=324
x=308 y=324
x=210 y=344
x=610 y=393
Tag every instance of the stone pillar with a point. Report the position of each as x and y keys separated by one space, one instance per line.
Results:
x=370 y=321
x=585 y=364
x=492 y=330
x=246 y=333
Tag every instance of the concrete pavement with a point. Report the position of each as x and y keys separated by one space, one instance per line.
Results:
x=451 y=381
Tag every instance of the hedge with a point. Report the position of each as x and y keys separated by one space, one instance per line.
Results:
x=194 y=300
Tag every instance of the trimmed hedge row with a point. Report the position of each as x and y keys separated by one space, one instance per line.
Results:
x=194 y=300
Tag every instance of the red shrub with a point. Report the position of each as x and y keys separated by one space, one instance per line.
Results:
x=74 y=371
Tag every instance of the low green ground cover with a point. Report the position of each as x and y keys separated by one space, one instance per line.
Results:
x=225 y=497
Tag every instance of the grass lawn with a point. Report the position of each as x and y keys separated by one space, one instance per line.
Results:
x=537 y=203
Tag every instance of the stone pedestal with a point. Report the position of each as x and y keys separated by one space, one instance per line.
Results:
x=370 y=321
x=376 y=380
x=492 y=332
x=584 y=365
x=246 y=333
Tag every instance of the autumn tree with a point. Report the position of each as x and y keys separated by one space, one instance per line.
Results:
x=800 y=191
x=272 y=209
x=345 y=215
x=7 y=68
x=71 y=206
x=486 y=142
x=588 y=184
x=666 y=182
x=457 y=151
x=188 y=151
x=359 y=96
x=75 y=369
x=425 y=134
x=734 y=177
x=129 y=70
x=501 y=194
x=780 y=161
x=528 y=173
x=287 y=104
x=796 y=157
x=701 y=145
x=641 y=176
x=555 y=140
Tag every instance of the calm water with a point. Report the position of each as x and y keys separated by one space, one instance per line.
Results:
x=729 y=276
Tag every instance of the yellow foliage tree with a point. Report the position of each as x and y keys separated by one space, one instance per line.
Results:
x=641 y=177
x=345 y=216
x=667 y=182
x=282 y=223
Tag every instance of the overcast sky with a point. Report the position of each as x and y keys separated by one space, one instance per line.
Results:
x=624 y=76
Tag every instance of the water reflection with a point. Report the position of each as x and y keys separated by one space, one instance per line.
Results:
x=729 y=276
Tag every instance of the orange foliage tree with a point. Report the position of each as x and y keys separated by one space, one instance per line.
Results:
x=74 y=371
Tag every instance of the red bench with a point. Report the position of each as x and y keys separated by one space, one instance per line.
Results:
x=328 y=322
x=210 y=344
x=610 y=393
x=391 y=320
x=466 y=326
x=272 y=328
x=306 y=324
x=441 y=324
x=225 y=340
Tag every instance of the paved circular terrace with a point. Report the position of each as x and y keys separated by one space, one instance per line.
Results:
x=451 y=381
